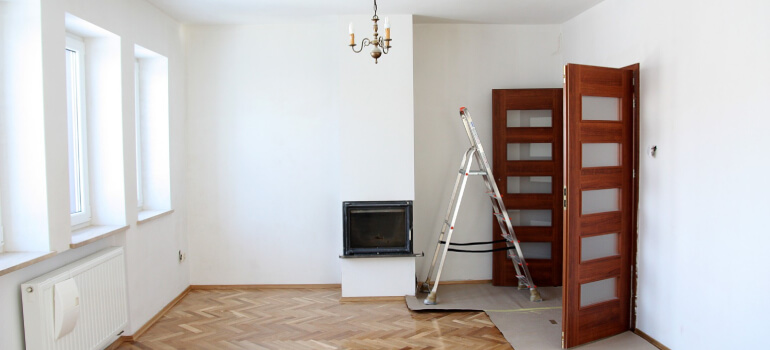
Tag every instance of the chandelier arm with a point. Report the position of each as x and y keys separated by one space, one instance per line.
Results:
x=364 y=43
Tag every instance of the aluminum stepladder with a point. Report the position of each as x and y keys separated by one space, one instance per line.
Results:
x=512 y=244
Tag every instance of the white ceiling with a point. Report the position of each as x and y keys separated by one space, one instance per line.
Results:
x=425 y=11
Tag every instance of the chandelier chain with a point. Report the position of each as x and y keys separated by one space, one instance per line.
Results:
x=375 y=8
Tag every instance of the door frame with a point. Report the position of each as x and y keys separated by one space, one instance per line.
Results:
x=636 y=153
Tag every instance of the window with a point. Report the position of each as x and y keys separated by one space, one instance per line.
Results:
x=138 y=120
x=80 y=209
x=152 y=133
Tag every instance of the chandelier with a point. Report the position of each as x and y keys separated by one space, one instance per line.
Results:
x=380 y=45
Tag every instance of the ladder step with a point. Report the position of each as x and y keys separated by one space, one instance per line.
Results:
x=501 y=216
x=523 y=280
x=493 y=194
x=474 y=172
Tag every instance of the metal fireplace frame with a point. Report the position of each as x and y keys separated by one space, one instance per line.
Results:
x=401 y=250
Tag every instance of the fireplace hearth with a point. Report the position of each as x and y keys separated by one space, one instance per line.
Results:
x=377 y=228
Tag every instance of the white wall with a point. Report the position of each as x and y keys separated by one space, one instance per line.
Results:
x=458 y=65
x=377 y=116
x=263 y=153
x=154 y=275
x=285 y=123
x=702 y=237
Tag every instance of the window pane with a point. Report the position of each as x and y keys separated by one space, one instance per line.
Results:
x=73 y=135
x=536 y=250
x=528 y=118
x=529 y=151
x=600 y=201
x=596 y=247
x=600 y=154
x=138 y=128
x=601 y=108
x=529 y=184
x=527 y=217
x=597 y=292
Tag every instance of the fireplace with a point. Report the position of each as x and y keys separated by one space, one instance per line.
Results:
x=377 y=228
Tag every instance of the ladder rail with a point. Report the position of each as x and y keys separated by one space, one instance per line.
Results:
x=492 y=184
x=445 y=225
x=431 y=299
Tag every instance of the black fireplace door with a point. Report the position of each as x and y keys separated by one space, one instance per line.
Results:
x=377 y=228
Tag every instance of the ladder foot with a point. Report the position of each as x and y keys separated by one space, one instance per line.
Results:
x=534 y=295
x=425 y=287
x=431 y=299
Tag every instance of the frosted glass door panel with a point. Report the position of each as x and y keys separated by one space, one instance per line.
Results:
x=600 y=201
x=529 y=151
x=525 y=217
x=599 y=291
x=540 y=118
x=596 y=247
x=536 y=250
x=529 y=184
x=601 y=108
x=600 y=154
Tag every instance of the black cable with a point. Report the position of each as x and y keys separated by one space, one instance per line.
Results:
x=480 y=251
x=474 y=243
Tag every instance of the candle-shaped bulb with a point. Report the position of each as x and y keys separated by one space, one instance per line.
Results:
x=350 y=28
x=387 y=30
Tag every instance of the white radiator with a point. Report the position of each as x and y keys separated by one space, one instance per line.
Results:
x=79 y=306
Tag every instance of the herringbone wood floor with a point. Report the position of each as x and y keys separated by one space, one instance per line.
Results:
x=311 y=319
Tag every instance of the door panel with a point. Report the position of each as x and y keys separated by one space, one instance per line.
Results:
x=527 y=163
x=599 y=146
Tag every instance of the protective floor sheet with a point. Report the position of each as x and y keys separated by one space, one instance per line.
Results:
x=526 y=325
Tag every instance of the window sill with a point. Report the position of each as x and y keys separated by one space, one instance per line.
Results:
x=147 y=215
x=12 y=261
x=94 y=233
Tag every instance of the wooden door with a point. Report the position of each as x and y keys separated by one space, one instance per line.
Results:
x=527 y=164
x=600 y=198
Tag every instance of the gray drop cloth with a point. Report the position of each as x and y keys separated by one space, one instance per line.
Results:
x=526 y=325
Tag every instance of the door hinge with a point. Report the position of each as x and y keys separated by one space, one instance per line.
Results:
x=633 y=173
x=564 y=74
x=633 y=102
x=565 y=197
x=633 y=81
x=562 y=340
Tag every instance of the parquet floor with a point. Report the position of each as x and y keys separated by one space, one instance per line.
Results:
x=311 y=319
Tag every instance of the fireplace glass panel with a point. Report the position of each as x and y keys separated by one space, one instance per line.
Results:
x=377 y=228
x=374 y=228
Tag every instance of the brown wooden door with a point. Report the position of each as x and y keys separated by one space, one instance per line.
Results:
x=527 y=164
x=600 y=196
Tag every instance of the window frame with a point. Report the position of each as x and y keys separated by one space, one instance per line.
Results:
x=76 y=45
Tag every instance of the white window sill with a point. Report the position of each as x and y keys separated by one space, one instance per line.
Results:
x=93 y=233
x=12 y=261
x=147 y=215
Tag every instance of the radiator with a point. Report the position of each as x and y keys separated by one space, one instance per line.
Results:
x=79 y=306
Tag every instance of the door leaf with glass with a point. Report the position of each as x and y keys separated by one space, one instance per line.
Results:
x=600 y=197
x=527 y=154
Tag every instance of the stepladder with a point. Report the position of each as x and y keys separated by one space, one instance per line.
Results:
x=512 y=246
